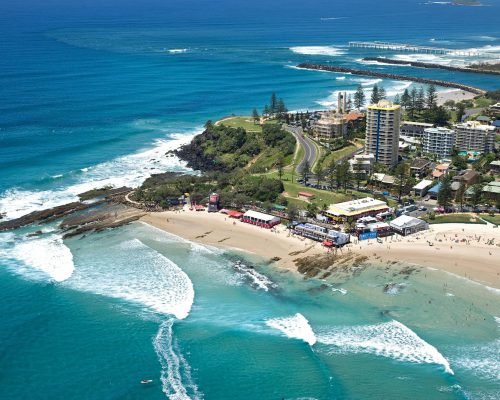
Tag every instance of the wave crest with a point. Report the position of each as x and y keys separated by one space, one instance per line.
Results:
x=296 y=327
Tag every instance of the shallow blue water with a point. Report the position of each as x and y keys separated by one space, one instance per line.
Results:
x=95 y=94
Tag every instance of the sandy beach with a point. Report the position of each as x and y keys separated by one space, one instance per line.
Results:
x=466 y=250
x=455 y=95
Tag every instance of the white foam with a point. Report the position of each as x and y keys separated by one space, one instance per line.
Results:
x=137 y=274
x=318 y=50
x=177 y=51
x=391 y=339
x=340 y=78
x=48 y=255
x=295 y=327
x=257 y=280
x=481 y=360
x=130 y=170
x=176 y=379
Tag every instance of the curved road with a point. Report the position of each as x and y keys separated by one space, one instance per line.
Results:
x=310 y=149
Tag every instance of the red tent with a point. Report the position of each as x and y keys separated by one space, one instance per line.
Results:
x=327 y=243
x=235 y=214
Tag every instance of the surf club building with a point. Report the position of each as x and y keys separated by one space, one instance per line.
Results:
x=260 y=219
x=355 y=209
x=329 y=237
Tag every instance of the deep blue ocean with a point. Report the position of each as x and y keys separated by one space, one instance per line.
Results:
x=94 y=93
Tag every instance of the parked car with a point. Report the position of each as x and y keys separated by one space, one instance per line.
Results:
x=422 y=208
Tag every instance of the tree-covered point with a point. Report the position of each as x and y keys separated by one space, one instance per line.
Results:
x=236 y=189
x=227 y=149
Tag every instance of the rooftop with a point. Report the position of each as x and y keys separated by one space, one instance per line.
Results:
x=492 y=187
x=415 y=123
x=354 y=207
x=423 y=184
x=475 y=125
x=420 y=163
x=439 y=130
x=384 y=105
x=406 y=221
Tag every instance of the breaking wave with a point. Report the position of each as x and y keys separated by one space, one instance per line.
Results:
x=177 y=51
x=318 y=50
x=39 y=258
x=295 y=327
x=130 y=170
x=140 y=275
x=391 y=339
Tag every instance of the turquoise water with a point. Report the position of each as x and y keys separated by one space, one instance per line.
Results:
x=140 y=303
x=94 y=94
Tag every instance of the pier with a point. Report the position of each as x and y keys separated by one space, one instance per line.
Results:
x=417 y=49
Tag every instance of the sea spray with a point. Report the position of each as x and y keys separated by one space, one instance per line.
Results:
x=296 y=327
x=391 y=339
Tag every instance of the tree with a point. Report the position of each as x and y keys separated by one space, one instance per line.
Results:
x=381 y=93
x=420 y=100
x=397 y=99
x=255 y=116
x=358 y=173
x=280 y=164
x=460 y=195
x=305 y=171
x=359 y=97
x=445 y=195
x=477 y=194
x=459 y=162
x=431 y=99
x=460 y=111
x=280 y=108
x=412 y=103
x=406 y=99
x=403 y=179
x=343 y=174
x=349 y=103
x=319 y=175
x=266 y=110
x=375 y=98
x=331 y=175
x=439 y=116
x=293 y=212
x=274 y=104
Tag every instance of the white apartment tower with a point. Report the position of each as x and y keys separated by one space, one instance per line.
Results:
x=438 y=141
x=472 y=136
x=382 y=132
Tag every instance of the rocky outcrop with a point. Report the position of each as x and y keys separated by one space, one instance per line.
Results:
x=384 y=75
x=48 y=215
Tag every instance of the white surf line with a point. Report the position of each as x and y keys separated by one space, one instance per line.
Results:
x=391 y=339
x=175 y=368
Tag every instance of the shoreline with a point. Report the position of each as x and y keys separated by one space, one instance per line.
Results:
x=446 y=255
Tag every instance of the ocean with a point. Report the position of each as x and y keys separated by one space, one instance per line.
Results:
x=96 y=93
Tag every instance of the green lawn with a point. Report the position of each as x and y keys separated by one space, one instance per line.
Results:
x=455 y=219
x=244 y=122
x=338 y=154
x=492 y=219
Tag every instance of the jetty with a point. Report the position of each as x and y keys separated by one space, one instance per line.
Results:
x=419 y=64
x=385 y=75
x=417 y=49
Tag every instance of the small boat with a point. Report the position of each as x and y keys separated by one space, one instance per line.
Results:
x=146 y=381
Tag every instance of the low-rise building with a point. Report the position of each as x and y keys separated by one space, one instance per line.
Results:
x=413 y=129
x=474 y=137
x=467 y=177
x=494 y=109
x=440 y=170
x=495 y=166
x=260 y=219
x=491 y=191
x=406 y=225
x=420 y=167
x=438 y=141
x=354 y=120
x=383 y=180
x=421 y=188
x=329 y=237
x=355 y=209
x=362 y=164
x=305 y=196
x=434 y=191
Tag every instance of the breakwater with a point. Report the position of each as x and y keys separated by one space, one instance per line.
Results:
x=419 y=64
x=384 y=75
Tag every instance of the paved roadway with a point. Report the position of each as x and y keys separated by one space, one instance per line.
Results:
x=310 y=149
